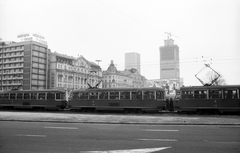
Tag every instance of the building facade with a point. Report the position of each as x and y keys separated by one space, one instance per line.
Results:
x=67 y=72
x=132 y=60
x=129 y=78
x=24 y=65
x=169 y=64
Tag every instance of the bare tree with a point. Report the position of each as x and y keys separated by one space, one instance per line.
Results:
x=213 y=78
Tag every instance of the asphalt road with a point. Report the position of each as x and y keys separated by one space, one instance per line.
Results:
x=37 y=137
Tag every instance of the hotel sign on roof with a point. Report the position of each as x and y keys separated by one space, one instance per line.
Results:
x=32 y=37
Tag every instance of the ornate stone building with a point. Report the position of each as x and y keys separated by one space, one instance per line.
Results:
x=67 y=72
x=112 y=78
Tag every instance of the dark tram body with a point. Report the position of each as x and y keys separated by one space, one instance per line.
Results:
x=124 y=99
x=212 y=99
x=33 y=99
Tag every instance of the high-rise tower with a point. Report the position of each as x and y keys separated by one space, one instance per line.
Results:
x=169 y=63
x=132 y=60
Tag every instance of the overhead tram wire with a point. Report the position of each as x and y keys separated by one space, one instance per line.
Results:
x=132 y=18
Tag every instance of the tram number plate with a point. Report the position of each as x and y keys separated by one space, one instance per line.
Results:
x=26 y=103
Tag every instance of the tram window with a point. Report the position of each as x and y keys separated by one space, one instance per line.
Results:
x=137 y=95
x=93 y=95
x=125 y=95
x=61 y=95
x=33 y=95
x=83 y=95
x=1 y=96
x=159 y=95
x=149 y=95
x=200 y=94
x=6 y=96
x=26 y=96
x=50 y=95
x=75 y=96
x=12 y=96
x=187 y=94
x=114 y=95
x=103 y=95
x=19 y=96
x=230 y=94
x=215 y=94
x=41 y=96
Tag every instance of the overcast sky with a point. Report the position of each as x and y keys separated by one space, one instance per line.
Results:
x=107 y=29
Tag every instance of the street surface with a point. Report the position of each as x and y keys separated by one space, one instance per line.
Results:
x=24 y=137
x=28 y=131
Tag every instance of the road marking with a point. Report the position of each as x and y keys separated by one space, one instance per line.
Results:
x=157 y=139
x=29 y=135
x=145 y=150
x=161 y=130
x=66 y=128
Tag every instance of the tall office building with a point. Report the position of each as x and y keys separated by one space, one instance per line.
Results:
x=132 y=60
x=24 y=65
x=169 y=64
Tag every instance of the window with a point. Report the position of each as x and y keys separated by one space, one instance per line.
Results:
x=159 y=95
x=187 y=94
x=42 y=66
x=19 y=96
x=6 y=96
x=137 y=95
x=35 y=59
x=149 y=95
x=83 y=95
x=41 y=96
x=33 y=95
x=103 y=95
x=125 y=95
x=114 y=95
x=12 y=96
x=26 y=96
x=230 y=94
x=50 y=96
x=35 y=64
x=215 y=94
x=200 y=94
x=35 y=53
x=93 y=95
x=60 y=96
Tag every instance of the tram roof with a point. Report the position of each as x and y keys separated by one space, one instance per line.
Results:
x=210 y=87
x=121 y=89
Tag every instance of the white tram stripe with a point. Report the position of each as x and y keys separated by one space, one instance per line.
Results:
x=30 y=135
x=168 y=140
x=66 y=128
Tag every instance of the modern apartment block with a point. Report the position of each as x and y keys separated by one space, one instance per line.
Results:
x=132 y=60
x=24 y=65
x=169 y=64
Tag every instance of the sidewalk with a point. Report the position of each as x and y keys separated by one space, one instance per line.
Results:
x=154 y=119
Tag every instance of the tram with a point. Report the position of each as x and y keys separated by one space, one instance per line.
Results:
x=121 y=99
x=46 y=99
x=211 y=99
